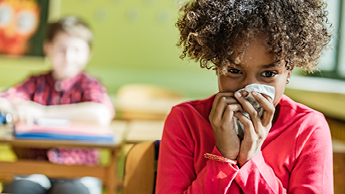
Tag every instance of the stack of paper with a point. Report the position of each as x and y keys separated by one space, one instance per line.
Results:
x=69 y=131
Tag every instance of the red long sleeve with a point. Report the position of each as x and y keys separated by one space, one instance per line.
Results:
x=296 y=156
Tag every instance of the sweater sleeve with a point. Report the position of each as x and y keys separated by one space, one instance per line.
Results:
x=176 y=171
x=258 y=177
x=312 y=171
x=23 y=91
x=94 y=91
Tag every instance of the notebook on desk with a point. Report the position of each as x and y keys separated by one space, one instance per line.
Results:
x=68 y=131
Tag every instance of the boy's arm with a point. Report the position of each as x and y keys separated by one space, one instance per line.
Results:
x=6 y=106
x=16 y=94
x=86 y=112
x=94 y=107
x=92 y=112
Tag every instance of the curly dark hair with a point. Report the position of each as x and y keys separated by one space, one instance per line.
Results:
x=297 y=29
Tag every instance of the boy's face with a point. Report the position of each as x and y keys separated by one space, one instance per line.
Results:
x=258 y=66
x=68 y=54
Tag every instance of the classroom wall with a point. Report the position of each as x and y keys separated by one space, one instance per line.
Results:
x=135 y=42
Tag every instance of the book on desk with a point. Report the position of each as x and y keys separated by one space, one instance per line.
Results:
x=59 y=129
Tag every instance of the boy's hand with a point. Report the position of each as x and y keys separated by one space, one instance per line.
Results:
x=27 y=111
x=221 y=119
x=256 y=128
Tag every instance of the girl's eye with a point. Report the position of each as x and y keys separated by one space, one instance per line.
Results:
x=269 y=73
x=235 y=71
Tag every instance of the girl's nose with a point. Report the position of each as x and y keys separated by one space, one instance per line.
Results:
x=250 y=79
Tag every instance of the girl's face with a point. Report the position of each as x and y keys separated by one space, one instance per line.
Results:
x=258 y=66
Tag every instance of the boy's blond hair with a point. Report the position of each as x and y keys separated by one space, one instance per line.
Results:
x=71 y=25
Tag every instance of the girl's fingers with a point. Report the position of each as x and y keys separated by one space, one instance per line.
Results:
x=229 y=112
x=266 y=103
x=248 y=107
x=257 y=121
x=220 y=102
x=247 y=123
x=220 y=95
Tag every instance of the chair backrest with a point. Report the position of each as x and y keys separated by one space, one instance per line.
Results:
x=140 y=168
x=157 y=144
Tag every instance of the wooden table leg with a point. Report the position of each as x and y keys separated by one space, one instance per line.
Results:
x=111 y=176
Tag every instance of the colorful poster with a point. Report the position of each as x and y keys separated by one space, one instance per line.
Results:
x=22 y=27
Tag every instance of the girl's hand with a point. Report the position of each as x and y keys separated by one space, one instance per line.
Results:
x=256 y=128
x=221 y=119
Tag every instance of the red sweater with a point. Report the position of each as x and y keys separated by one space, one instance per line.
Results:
x=296 y=156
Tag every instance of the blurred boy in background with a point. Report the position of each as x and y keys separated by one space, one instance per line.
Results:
x=65 y=92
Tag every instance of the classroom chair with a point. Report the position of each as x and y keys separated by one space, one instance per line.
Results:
x=141 y=168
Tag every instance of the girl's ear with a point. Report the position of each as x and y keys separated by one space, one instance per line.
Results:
x=289 y=74
x=290 y=71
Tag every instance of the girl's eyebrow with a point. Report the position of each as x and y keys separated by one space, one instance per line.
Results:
x=233 y=62
x=271 y=65
x=274 y=64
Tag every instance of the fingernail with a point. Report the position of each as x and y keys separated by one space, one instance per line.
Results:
x=237 y=94
x=255 y=93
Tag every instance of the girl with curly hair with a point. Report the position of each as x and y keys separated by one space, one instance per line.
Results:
x=284 y=149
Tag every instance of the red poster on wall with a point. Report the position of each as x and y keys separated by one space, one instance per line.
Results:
x=22 y=27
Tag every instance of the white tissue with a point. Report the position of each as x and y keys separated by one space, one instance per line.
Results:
x=260 y=88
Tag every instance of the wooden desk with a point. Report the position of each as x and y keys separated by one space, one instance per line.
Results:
x=25 y=167
x=141 y=109
x=144 y=130
x=322 y=94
